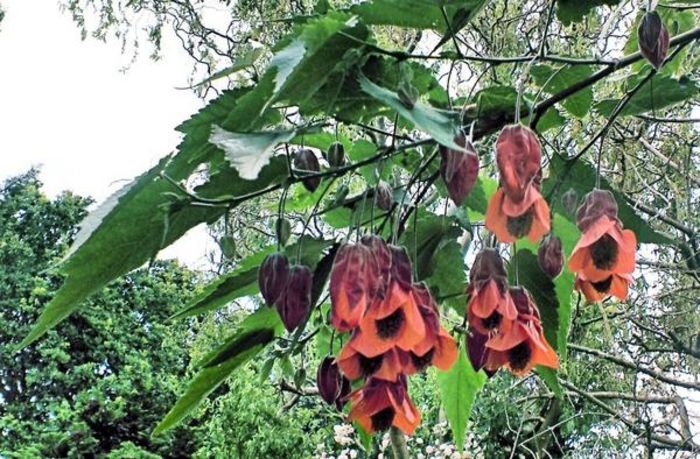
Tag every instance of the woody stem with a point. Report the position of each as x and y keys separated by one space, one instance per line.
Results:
x=398 y=444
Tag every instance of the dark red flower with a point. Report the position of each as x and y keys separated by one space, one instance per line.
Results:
x=459 y=169
x=401 y=269
x=653 y=39
x=550 y=256
x=510 y=220
x=490 y=307
x=351 y=285
x=523 y=346
x=330 y=382
x=518 y=155
x=294 y=304
x=272 y=276
x=306 y=160
x=336 y=155
x=380 y=404
x=380 y=265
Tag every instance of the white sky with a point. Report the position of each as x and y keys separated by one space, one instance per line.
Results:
x=65 y=106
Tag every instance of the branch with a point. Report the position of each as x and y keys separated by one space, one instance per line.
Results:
x=633 y=366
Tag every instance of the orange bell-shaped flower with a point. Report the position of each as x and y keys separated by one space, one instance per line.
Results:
x=524 y=345
x=350 y=285
x=381 y=404
x=604 y=257
x=510 y=220
x=490 y=307
x=438 y=348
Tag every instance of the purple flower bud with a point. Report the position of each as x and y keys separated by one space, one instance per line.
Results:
x=306 y=160
x=329 y=380
x=336 y=155
x=294 y=303
x=477 y=351
x=401 y=270
x=550 y=256
x=384 y=195
x=459 y=169
x=272 y=276
x=653 y=39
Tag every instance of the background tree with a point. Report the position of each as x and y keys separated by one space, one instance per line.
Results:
x=101 y=381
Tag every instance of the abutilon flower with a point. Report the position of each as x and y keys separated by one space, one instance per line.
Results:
x=478 y=352
x=517 y=209
x=395 y=331
x=550 y=256
x=332 y=385
x=523 y=346
x=604 y=257
x=490 y=307
x=351 y=285
x=653 y=39
x=380 y=404
x=306 y=160
x=437 y=348
x=272 y=276
x=459 y=169
x=294 y=304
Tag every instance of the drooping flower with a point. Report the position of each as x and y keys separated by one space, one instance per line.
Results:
x=490 y=307
x=459 y=169
x=478 y=352
x=272 y=276
x=524 y=345
x=380 y=404
x=604 y=257
x=517 y=209
x=396 y=321
x=351 y=285
x=518 y=155
x=653 y=39
x=510 y=220
x=437 y=348
x=387 y=365
x=294 y=304
x=550 y=256
x=332 y=385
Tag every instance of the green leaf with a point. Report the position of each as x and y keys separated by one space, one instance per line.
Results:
x=580 y=176
x=553 y=80
x=251 y=54
x=449 y=275
x=424 y=239
x=419 y=14
x=254 y=333
x=658 y=93
x=551 y=119
x=440 y=124
x=458 y=389
x=549 y=376
x=569 y=11
x=248 y=152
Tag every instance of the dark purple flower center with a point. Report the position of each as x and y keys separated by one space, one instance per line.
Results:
x=493 y=321
x=389 y=326
x=422 y=361
x=382 y=420
x=370 y=365
x=519 y=356
x=521 y=225
x=604 y=285
x=604 y=252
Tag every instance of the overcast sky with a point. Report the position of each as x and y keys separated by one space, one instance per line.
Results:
x=66 y=107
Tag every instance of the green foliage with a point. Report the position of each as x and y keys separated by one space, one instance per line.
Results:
x=573 y=10
x=99 y=382
x=458 y=388
x=254 y=333
x=553 y=80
